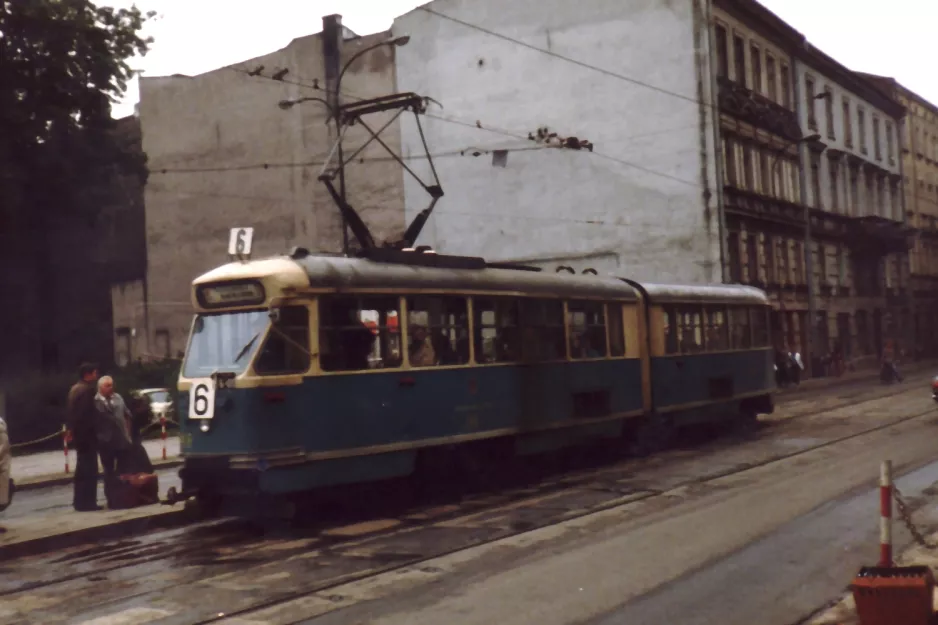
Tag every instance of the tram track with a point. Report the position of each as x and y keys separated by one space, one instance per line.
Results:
x=222 y=559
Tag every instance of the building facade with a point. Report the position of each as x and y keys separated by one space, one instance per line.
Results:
x=222 y=153
x=920 y=172
x=804 y=138
x=642 y=202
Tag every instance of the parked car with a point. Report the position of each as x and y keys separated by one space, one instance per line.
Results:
x=161 y=402
x=934 y=389
x=6 y=461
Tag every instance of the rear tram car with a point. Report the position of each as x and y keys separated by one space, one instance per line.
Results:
x=305 y=371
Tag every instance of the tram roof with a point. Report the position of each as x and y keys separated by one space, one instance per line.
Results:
x=356 y=273
x=711 y=293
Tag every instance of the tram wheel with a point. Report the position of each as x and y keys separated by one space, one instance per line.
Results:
x=204 y=506
x=745 y=422
x=650 y=435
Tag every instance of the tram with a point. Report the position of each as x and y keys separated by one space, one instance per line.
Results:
x=307 y=371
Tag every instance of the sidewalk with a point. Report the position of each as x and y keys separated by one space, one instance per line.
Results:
x=844 y=612
x=849 y=377
x=31 y=471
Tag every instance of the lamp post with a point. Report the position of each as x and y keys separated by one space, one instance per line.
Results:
x=334 y=97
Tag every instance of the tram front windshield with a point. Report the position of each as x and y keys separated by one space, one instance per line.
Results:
x=224 y=342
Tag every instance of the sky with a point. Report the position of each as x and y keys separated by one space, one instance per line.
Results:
x=195 y=36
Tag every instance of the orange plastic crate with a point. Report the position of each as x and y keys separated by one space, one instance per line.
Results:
x=894 y=595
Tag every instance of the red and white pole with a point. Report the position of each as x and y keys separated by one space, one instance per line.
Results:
x=163 y=435
x=65 y=445
x=885 y=514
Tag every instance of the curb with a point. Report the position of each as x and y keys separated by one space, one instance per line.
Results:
x=108 y=531
x=37 y=483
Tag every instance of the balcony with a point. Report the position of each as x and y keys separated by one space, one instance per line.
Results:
x=757 y=110
x=878 y=236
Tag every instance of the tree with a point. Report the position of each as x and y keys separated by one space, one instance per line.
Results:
x=62 y=64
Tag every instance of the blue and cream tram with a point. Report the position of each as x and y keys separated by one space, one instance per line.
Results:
x=309 y=371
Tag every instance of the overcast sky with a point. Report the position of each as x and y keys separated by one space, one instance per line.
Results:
x=194 y=36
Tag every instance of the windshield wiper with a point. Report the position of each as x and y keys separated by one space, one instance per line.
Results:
x=246 y=347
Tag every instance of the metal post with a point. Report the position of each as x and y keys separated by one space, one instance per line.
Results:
x=332 y=57
x=885 y=514
x=808 y=254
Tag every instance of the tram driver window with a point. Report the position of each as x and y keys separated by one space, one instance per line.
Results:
x=359 y=333
x=587 y=329
x=286 y=349
x=438 y=331
x=542 y=330
x=741 y=328
x=497 y=331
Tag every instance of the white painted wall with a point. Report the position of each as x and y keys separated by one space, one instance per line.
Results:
x=892 y=206
x=636 y=206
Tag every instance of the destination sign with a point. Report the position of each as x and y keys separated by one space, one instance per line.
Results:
x=231 y=294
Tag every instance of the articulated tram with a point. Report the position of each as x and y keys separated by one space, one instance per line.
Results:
x=308 y=371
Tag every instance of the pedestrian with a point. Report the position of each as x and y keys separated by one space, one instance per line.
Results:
x=81 y=418
x=113 y=433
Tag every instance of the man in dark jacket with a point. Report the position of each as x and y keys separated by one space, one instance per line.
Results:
x=81 y=423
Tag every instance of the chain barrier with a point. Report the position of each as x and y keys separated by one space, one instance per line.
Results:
x=59 y=434
x=906 y=516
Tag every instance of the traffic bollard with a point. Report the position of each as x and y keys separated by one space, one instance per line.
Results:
x=163 y=435
x=885 y=514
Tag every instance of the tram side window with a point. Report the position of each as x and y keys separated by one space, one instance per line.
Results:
x=760 y=327
x=542 y=330
x=438 y=331
x=690 y=329
x=717 y=331
x=497 y=331
x=587 y=329
x=740 y=328
x=670 y=330
x=358 y=333
x=286 y=349
x=616 y=335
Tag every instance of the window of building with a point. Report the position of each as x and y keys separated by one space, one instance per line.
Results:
x=816 y=179
x=723 y=64
x=717 y=330
x=437 y=330
x=748 y=168
x=821 y=253
x=122 y=346
x=497 y=330
x=358 y=333
x=770 y=77
x=752 y=258
x=784 y=85
x=286 y=349
x=810 y=102
x=542 y=330
x=587 y=329
x=889 y=149
x=848 y=127
x=755 y=59
x=871 y=205
x=616 y=330
x=799 y=277
x=829 y=113
x=163 y=348
x=833 y=166
x=735 y=262
x=739 y=60
x=853 y=202
x=877 y=144
x=861 y=129
x=768 y=253
x=740 y=328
